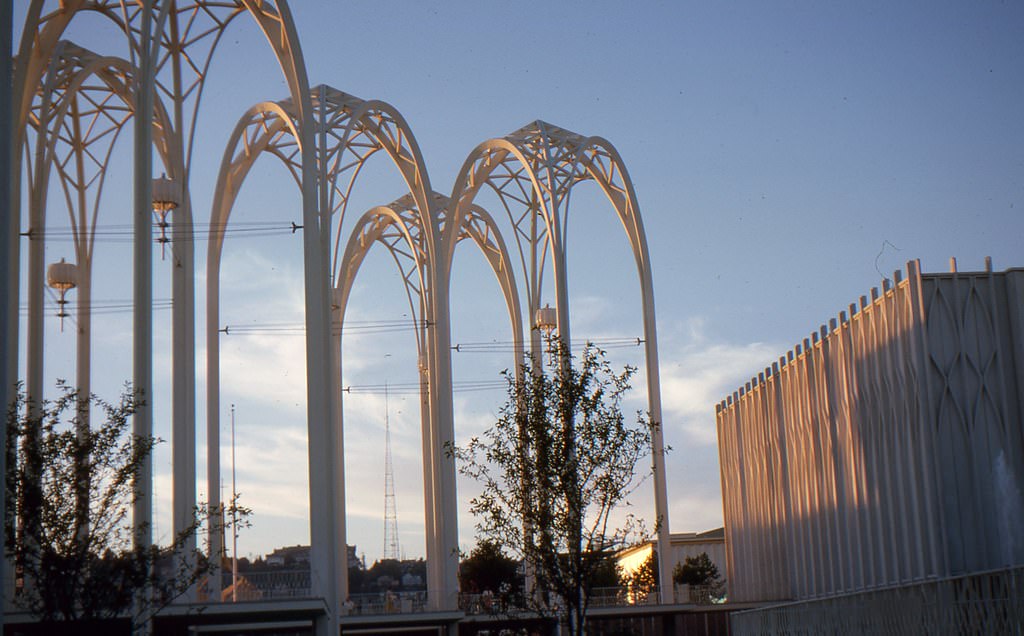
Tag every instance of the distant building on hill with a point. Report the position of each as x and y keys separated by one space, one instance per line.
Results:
x=290 y=555
x=298 y=555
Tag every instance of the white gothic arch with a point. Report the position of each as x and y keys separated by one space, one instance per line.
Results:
x=175 y=40
x=348 y=130
x=397 y=228
x=533 y=170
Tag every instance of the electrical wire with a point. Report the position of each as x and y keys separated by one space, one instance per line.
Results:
x=414 y=388
x=351 y=327
x=393 y=326
x=509 y=346
x=124 y=233
x=299 y=329
x=99 y=307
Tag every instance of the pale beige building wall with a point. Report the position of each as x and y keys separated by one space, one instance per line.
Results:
x=681 y=546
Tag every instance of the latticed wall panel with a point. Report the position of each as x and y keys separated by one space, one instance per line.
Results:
x=981 y=603
x=886 y=448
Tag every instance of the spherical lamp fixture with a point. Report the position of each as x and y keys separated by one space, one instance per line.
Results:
x=62 y=276
x=546 y=320
x=166 y=197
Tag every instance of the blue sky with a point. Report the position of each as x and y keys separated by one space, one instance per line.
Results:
x=786 y=156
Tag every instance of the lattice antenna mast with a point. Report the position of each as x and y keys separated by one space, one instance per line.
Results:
x=391 y=550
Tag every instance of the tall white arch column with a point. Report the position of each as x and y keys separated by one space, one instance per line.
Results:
x=396 y=228
x=533 y=170
x=349 y=130
x=9 y=243
x=324 y=551
x=606 y=168
x=142 y=223
x=396 y=225
x=242 y=149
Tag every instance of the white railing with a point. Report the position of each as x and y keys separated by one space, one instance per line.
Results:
x=713 y=594
x=982 y=603
x=265 y=585
x=386 y=603
x=615 y=596
x=294 y=584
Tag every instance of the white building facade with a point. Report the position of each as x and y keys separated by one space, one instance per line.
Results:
x=886 y=449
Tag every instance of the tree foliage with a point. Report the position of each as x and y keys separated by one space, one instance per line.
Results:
x=553 y=468
x=487 y=568
x=701 y=574
x=696 y=570
x=69 y=494
x=643 y=580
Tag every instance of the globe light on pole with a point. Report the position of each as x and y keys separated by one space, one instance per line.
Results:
x=166 y=197
x=546 y=319
x=62 y=276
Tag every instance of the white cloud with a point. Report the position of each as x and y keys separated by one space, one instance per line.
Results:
x=698 y=373
x=264 y=369
x=269 y=371
x=703 y=511
x=589 y=312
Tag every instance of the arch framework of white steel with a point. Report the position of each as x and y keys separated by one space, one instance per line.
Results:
x=324 y=136
x=76 y=124
x=170 y=45
x=397 y=228
x=350 y=131
x=533 y=171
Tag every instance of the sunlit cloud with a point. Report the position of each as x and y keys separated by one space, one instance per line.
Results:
x=703 y=511
x=697 y=373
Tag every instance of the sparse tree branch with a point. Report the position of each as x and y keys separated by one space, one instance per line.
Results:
x=68 y=526
x=559 y=461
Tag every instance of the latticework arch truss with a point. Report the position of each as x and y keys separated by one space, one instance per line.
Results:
x=532 y=172
x=76 y=103
x=77 y=116
x=347 y=132
x=170 y=44
x=397 y=227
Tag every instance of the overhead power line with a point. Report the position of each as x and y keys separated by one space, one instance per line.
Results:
x=299 y=329
x=389 y=326
x=98 y=307
x=413 y=388
x=123 y=233
x=509 y=346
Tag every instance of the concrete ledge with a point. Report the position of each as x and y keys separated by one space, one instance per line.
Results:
x=283 y=613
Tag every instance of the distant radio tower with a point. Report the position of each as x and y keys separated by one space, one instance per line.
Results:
x=391 y=550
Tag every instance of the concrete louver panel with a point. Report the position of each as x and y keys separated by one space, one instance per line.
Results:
x=886 y=448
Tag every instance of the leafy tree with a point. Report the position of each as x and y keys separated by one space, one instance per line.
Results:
x=696 y=570
x=68 y=525
x=488 y=569
x=606 y=573
x=701 y=574
x=357 y=575
x=559 y=460
x=385 y=573
x=643 y=580
x=417 y=568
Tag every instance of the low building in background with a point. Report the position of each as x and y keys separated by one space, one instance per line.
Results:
x=290 y=555
x=887 y=449
x=683 y=545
